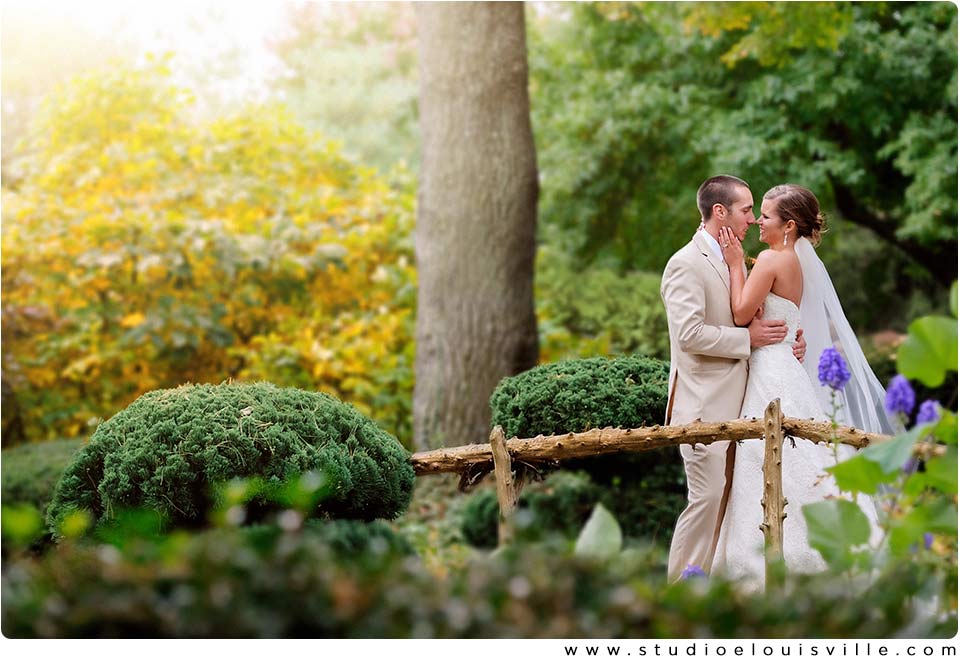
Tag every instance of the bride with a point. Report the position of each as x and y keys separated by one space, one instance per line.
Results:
x=789 y=282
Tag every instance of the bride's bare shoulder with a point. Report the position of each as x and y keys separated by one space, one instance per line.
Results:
x=773 y=258
x=767 y=258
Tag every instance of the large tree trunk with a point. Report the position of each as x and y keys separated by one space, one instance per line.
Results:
x=476 y=217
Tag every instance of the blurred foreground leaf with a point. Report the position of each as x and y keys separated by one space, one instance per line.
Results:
x=600 y=537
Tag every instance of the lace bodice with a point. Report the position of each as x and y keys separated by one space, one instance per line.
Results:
x=780 y=308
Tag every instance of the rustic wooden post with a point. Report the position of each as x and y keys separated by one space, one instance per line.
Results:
x=509 y=484
x=773 y=501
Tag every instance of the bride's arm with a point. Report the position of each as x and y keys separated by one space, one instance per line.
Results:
x=746 y=294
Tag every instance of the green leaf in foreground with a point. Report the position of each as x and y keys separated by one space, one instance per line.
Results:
x=834 y=528
x=908 y=532
x=600 y=537
x=859 y=474
x=21 y=524
x=891 y=454
x=940 y=474
x=930 y=350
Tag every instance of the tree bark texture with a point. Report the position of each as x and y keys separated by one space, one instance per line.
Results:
x=476 y=217
x=773 y=502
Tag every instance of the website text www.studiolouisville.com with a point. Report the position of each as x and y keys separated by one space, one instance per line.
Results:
x=793 y=649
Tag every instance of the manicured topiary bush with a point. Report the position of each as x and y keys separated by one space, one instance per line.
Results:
x=560 y=504
x=646 y=491
x=647 y=507
x=578 y=395
x=480 y=514
x=169 y=448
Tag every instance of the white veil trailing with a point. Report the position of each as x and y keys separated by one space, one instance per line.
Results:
x=862 y=400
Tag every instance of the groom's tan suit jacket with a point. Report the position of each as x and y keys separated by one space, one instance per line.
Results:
x=708 y=378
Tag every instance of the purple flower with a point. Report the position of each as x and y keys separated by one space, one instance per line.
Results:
x=832 y=369
x=900 y=396
x=929 y=412
x=927 y=541
x=910 y=465
x=692 y=571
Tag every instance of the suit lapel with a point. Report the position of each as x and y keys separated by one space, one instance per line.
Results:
x=718 y=265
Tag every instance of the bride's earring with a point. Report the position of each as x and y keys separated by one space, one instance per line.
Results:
x=785 y=238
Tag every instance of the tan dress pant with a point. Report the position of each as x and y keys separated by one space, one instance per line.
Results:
x=709 y=470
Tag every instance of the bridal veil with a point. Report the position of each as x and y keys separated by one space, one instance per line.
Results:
x=862 y=400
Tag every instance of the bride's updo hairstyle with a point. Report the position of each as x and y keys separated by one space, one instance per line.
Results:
x=799 y=203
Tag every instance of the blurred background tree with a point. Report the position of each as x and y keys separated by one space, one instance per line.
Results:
x=351 y=73
x=476 y=218
x=38 y=54
x=143 y=248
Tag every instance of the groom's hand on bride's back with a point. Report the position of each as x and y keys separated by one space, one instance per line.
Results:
x=800 y=346
x=765 y=332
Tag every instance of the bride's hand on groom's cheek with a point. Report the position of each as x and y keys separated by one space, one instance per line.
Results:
x=730 y=244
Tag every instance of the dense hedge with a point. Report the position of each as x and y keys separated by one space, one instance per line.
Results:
x=560 y=504
x=169 y=448
x=578 y=395
x=481 y=512
x=646 y=491
x=271 y=583
x=30 y=471
x=646 y=507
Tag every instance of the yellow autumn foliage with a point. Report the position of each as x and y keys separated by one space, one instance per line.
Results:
x=143 y=248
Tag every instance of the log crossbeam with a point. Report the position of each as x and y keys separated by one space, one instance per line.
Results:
x=546 y=449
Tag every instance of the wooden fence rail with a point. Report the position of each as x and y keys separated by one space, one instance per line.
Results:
x=509 y=458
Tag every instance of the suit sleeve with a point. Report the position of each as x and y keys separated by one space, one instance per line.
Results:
x=683 y=296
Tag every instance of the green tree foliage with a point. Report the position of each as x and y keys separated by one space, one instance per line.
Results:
x=588 y=311
x=635 y=104
x=143 y=248
x=617 y=109
x=169 y=449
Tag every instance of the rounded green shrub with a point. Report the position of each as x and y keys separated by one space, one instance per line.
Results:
x=480 y=514
x=645 y=490
x=646 y=507
x=170 y=448
x=560 y=504
x=579 y=395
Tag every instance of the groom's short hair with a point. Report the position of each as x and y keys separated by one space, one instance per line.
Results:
x=718 y=189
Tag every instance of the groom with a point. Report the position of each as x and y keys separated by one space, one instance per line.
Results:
x=708 y=363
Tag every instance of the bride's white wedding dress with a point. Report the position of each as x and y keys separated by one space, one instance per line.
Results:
x=776 y=373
